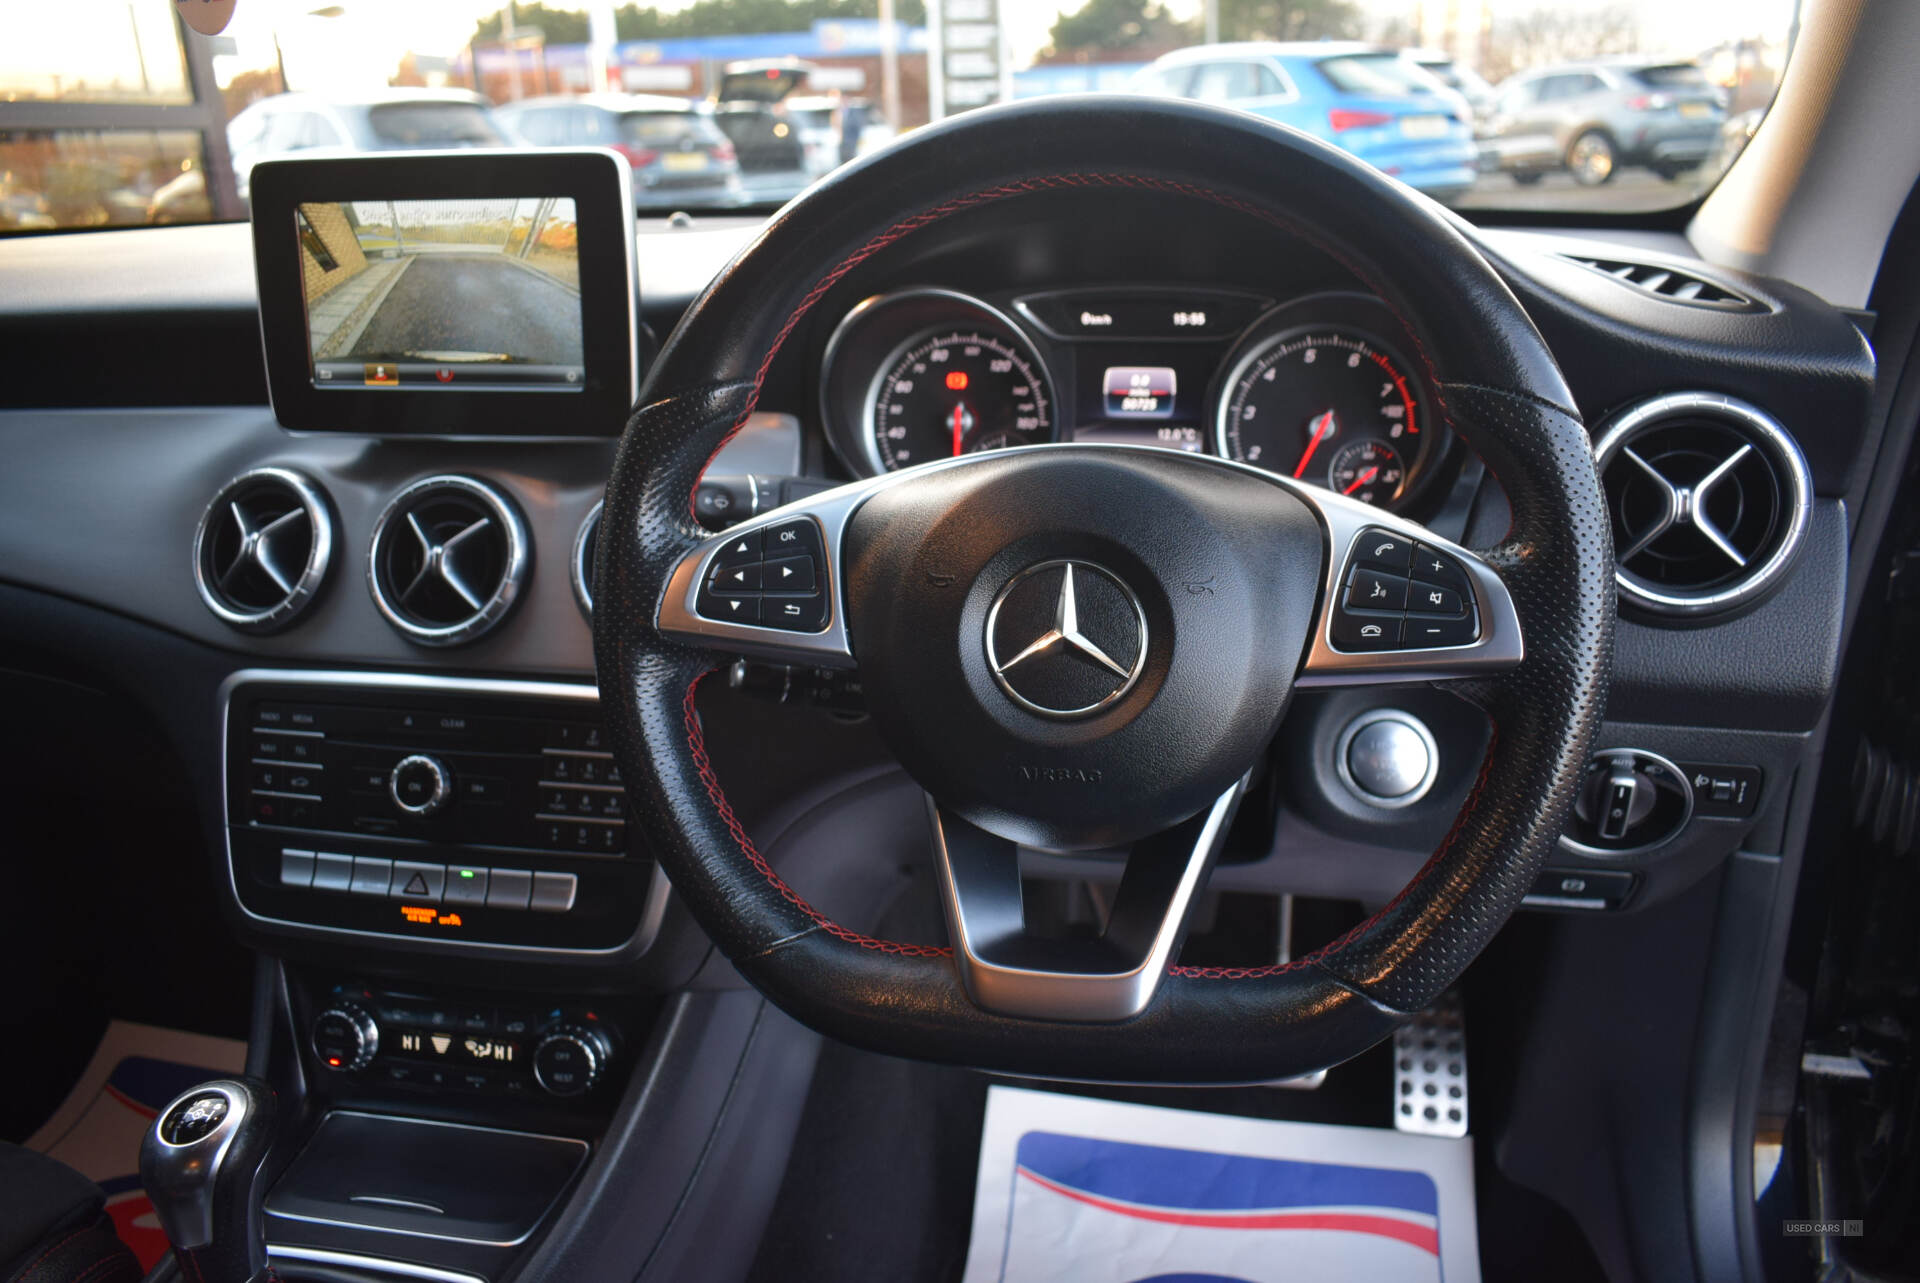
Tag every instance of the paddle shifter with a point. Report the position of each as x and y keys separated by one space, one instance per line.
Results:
x=199 y=1163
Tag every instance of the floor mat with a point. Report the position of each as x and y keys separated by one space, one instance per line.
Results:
x=97 y=1130
x=1106 y=1192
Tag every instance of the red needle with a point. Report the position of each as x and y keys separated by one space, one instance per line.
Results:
x=1362 y=480
x=1322 y=429
x=958 y=411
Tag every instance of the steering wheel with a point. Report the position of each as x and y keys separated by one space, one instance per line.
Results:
x=1086 y=647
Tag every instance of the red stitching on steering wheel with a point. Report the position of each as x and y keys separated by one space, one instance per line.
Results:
x=697 y=743
x=1335 y=946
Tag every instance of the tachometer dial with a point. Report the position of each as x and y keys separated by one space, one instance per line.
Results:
x=1328 y=405
x=956 y=392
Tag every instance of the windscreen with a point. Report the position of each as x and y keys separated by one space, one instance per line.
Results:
x=462 y=295
x=117 y=112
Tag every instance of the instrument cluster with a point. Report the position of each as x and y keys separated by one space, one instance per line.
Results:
x=1317 y=388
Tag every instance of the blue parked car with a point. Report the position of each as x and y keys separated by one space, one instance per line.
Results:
x=1371 y=101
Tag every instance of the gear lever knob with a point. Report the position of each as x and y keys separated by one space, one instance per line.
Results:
x=199 y=1163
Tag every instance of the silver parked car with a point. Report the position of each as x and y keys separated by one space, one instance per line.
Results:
x=678 y=153
x=1593 y=118
x=316 y=124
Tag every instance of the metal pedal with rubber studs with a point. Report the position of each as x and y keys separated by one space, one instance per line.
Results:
x=1430 y=1071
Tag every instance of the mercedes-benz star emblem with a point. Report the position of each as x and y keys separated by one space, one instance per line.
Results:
x=1066 y=638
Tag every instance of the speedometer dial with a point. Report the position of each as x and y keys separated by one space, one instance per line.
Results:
x=956 y=392
x=1331 y=406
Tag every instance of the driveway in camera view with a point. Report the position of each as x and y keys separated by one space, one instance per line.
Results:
x=454 y=305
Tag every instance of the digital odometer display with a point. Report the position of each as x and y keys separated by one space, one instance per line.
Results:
x=957 y=392
x=1330 y=406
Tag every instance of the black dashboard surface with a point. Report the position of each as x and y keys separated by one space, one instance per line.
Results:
x=132 y=361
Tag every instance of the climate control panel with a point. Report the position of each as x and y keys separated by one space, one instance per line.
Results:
x=399 y=1040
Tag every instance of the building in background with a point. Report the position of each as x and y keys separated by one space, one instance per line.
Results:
x=845 y=56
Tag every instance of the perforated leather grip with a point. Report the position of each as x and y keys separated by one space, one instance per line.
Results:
x=1498 y=389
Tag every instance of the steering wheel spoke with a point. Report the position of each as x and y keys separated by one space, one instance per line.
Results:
x=771 y=587
x=1008 y=970
x=1401 y=604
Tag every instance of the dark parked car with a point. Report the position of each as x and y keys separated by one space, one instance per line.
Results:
x=679 y=155
x=749 y=103
x=1593 y=118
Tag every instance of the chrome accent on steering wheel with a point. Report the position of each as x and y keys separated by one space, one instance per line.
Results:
x=1499 y=645
x=1008 y=971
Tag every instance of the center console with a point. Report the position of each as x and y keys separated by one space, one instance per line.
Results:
x=469 y=813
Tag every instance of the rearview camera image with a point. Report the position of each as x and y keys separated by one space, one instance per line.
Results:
x=467 y=295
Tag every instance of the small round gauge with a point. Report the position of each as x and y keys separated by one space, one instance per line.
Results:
x=1368 y=470
x=956 y=392
x=1331 y=406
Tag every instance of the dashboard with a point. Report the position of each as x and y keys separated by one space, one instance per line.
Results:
x=1305 y=386
x=1058 y=318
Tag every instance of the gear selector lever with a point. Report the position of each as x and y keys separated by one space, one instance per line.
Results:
x=199 y=1163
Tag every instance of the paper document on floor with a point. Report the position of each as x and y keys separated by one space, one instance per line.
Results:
x=1096 y=1191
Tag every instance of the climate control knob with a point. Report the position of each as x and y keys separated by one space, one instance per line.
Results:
x=571 y=1058
x=419 y=784
x=345 y=1038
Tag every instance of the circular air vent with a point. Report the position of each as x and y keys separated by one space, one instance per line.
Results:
x=585 y=545
x=1709 y=498
x=262 y=549
x=447 y=561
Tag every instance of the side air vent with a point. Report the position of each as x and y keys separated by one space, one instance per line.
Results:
x=262 y=549
x=1710 y=499
x=1669 y=283
x=585 y=545
x=448 y=560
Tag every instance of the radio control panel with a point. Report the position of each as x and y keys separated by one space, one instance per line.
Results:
x=469 y=811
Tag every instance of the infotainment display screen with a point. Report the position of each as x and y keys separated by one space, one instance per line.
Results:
x=443 y=294
x=448 y=294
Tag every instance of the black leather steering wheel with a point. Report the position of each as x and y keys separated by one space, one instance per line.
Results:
x=917 y=566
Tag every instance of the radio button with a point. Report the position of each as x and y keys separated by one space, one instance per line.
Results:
x=553 y=892
x=466 y=885
x=480 y=790
x=371 y=876
x=296 y=868
x=509 y=888
x=332 y=872
x=418 y=881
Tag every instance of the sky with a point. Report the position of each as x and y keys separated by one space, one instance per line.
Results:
x=364 y=44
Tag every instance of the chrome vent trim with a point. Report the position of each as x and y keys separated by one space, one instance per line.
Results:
x=1708 y=490
x=1673 y=284
x=460 y=567
x=262 y=549
x=585 y=545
